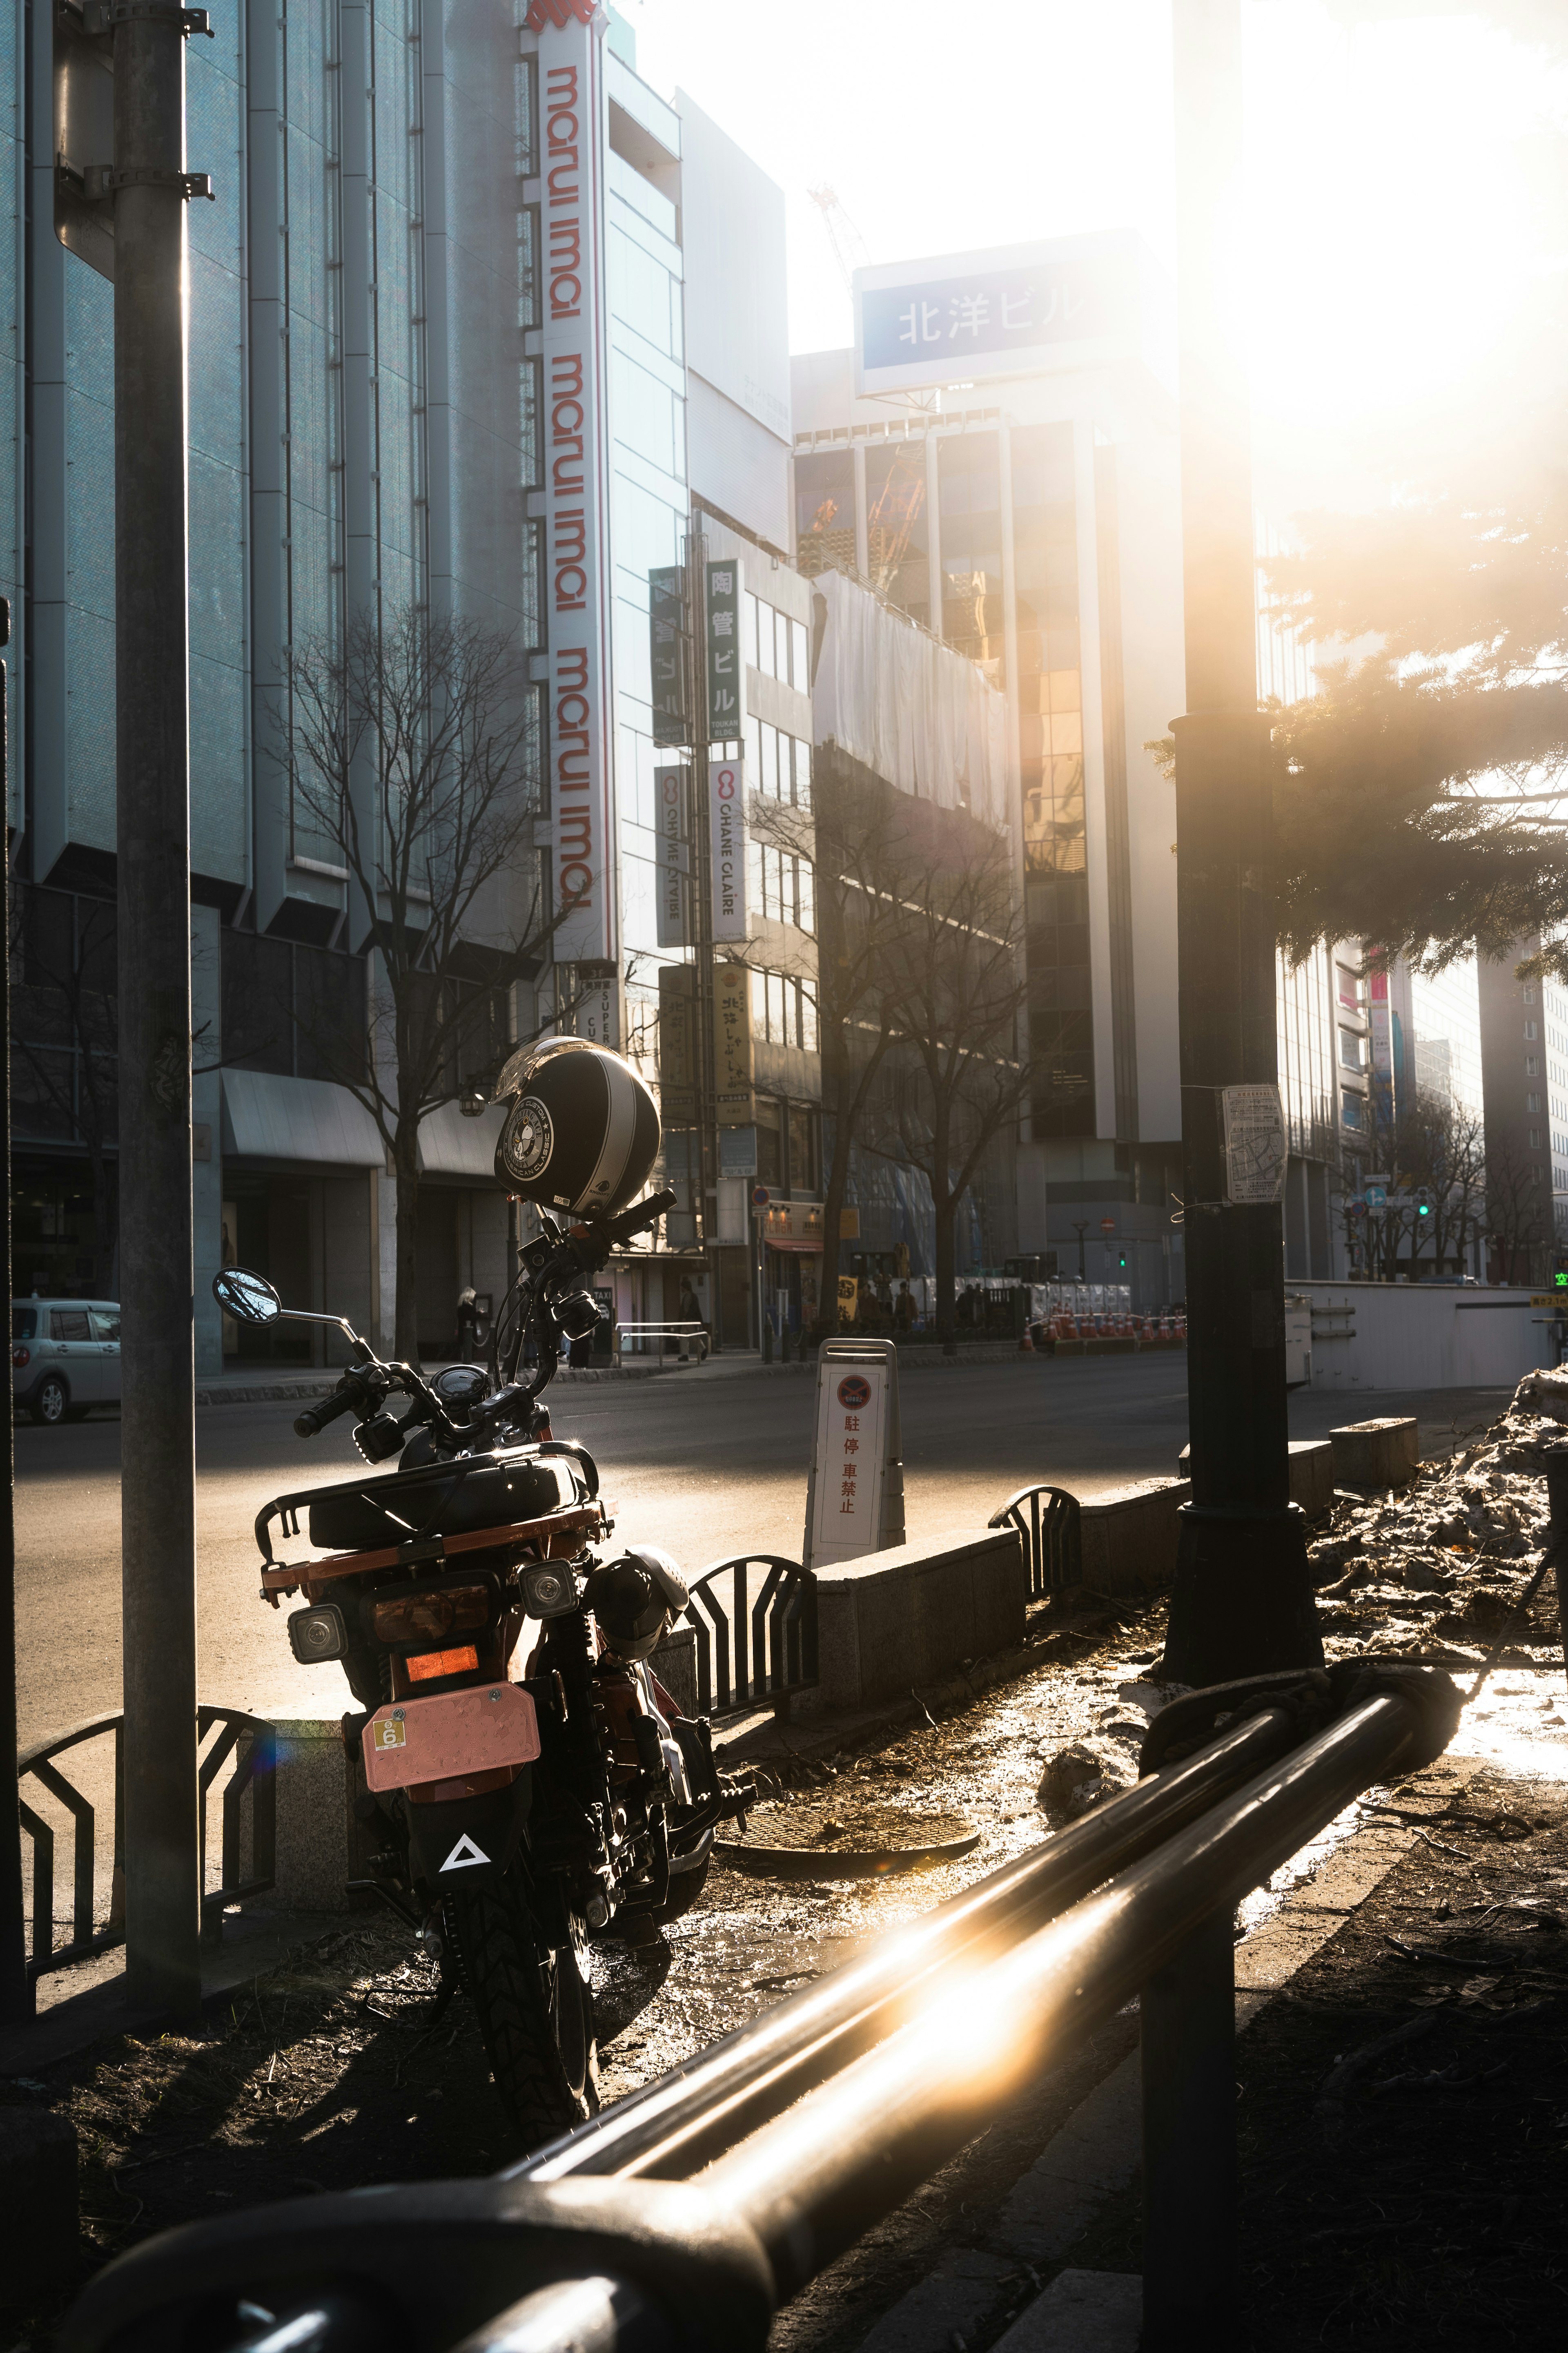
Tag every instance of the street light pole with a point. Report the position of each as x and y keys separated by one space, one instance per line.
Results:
x=162 y=1887
x=1241 y=1599
x=15 y=1995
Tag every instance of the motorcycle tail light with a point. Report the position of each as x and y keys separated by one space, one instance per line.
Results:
x=429 y=1663
x=549 y=1590
x=431 y=1617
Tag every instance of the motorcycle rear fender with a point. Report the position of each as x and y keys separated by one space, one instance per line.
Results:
x=468 y=1841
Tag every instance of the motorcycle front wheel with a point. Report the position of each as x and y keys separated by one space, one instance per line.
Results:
x=535 y=2011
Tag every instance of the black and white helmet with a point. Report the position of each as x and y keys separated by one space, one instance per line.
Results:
x=582 y=1130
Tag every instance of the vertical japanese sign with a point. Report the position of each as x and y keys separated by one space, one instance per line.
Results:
x=726 y=676
x=677 y=1046
x=727 y=846
x=669 y=667
x=851 y=1467
x=670 y=886
x=732 y=1046
x=574 y=110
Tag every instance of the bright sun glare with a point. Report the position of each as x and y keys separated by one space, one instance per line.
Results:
x=1404 y=250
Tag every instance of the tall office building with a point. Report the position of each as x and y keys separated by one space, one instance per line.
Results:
x=441 y=315
x=998 y=455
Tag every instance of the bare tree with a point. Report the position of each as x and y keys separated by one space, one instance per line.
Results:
x=412 y=750
x=65 y=1034
x=958 y=1076
x=1442 y=1147
x=863 y=853
x=1519 y=1215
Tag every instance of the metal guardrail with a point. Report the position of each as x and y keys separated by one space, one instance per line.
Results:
x=255 y=1766
x=687 y=1337
x=764 y=1645
x=1050 y=1521
x=738 y=2177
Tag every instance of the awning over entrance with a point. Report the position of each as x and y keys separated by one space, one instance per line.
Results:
x=266 y=1118
x=451 y=1145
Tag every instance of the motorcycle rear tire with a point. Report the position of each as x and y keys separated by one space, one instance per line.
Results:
x=535 y=2013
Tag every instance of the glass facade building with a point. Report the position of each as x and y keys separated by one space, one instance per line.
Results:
x=367 y=438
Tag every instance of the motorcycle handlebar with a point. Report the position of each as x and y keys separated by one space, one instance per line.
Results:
x=314 y=1419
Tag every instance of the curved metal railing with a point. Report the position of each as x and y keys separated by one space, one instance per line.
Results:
x=763 y=1646
x=1050 y=1521
x=247 y=1738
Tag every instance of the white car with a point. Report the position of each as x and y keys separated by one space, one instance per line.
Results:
x=64 y=1357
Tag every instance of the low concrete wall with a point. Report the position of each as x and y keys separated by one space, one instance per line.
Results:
x=321 y=1844
x=1312 y=1474
x=1399 y=1335
x=1384 y=1453
x=912 y=1614
x=1129 y=1536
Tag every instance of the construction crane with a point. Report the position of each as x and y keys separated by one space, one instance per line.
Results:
x=849 y=245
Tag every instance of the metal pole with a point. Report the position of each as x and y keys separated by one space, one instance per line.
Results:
x=1188 y=2032
x=157 y=1427
x=1242 y=1597
x=15 y=1994
x=701 y=903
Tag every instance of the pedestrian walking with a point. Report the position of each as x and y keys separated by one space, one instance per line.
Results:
x=467 y=1326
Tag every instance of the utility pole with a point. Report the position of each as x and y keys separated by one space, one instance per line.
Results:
x=162 y=1885
x=15 y=1998
x=1242 y=1601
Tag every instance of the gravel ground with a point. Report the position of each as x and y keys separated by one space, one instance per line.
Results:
x=333 y=2072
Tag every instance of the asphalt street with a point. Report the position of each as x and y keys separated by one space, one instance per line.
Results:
x=706 y=1464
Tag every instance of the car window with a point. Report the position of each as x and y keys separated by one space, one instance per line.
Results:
x=24 y=1322
x=105 y=1323
x=69 y=1324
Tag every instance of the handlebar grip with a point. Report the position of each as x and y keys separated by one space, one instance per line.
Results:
x=314 y=1419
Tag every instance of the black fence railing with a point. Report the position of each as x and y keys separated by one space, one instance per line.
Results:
x=755 y=1621
x=1050 y=1521
x=739 y=2177
x=252 y=1745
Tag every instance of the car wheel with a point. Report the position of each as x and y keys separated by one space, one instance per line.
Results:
x=49 y=1402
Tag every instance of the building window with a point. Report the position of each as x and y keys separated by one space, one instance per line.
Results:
x=898 y=544
x=1528 y=993
x=1352 y=987
x=1532 y=1066
x=1352 y=1110
x=1533 y=1102
x=1353 y=1049
x=1535 y=1139
x=1531 y=1029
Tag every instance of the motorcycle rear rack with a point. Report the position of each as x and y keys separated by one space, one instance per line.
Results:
x=578 y=1521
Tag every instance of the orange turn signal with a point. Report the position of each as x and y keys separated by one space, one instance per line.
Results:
x=441 y=1662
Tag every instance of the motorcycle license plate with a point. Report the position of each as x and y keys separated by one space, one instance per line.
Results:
x=449 y=1734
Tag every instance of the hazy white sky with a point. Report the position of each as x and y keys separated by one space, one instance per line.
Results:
x=1402 y=271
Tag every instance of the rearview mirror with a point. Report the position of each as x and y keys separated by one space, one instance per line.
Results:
x=248 y=1298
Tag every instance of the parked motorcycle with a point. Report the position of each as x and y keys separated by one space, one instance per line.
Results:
x=524 y=1816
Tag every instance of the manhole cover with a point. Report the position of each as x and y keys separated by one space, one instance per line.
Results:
x=844 y=1838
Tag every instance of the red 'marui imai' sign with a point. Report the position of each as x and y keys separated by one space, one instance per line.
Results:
x=571 y=113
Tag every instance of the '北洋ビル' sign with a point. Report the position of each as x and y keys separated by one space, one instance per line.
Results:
x=572 y=108
x=1009 y=312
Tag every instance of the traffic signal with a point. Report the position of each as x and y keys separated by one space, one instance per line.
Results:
x=1122 y=1260
x=1559 y=1280
x=1423 y=1202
